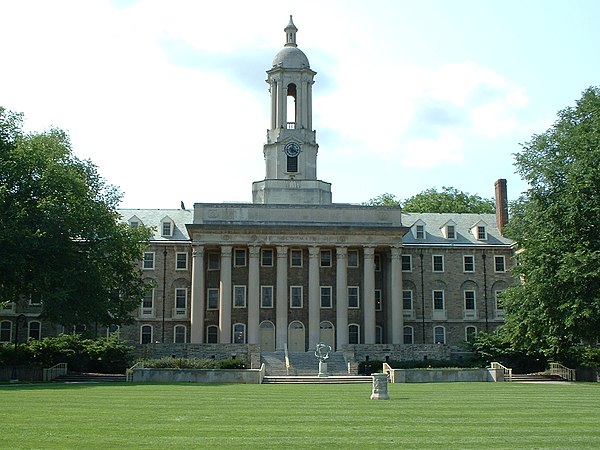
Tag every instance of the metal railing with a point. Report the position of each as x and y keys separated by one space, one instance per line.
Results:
x=55 y=371
x=562 y=371
x=287 y=359
x=507 y=371
x=129 y=372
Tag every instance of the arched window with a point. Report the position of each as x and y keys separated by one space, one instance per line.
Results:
x=179 y=334
x=409 y=335
x=353 y=334
x=146 y=334
x=470 y=333
x=439 y=335
x=291 y=106
x=212 y=334
x=35 y=330
x=239 y=333
x=113 y=329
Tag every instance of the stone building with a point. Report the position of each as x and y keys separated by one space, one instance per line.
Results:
x=292 y=268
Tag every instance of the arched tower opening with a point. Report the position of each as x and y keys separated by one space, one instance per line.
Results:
x=291 y=106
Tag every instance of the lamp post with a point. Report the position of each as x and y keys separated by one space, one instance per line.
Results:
x=20 y=318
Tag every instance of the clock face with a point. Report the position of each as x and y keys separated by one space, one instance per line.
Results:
x=292 y=149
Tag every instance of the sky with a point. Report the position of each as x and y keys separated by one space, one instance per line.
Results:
x=169 y=100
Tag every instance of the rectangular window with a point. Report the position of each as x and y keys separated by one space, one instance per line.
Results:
x=499 y=264
x=353 y=300
x=498 y=295
x=438 y=263
x=148 y=304
x=406 y=263
x=378 y=300
x=296 y=258
x=266 y=296
x=325 y=296
x=212 y=296
x=451 y=232
x=325 y=258
x=213 y=261
x=179 y=334
x=266 y=257
x=420 y=231
x=295 y=296
x=352 y=258
x=470 y=300
x=239 y=296
x=292 y=164
x=180 y=299
x=408 y=335
x=35 y=330
x=5 y=331
x=407 y=300
x=148 y=261
x=239 y=257
x=439 y=335
x=35 y=298
x=438 y=300
x=468 y=263
x=481 y=234
x=181 y=261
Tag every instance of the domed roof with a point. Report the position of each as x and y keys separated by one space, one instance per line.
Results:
x=291 y=58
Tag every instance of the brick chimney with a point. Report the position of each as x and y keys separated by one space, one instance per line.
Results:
x=501 y=204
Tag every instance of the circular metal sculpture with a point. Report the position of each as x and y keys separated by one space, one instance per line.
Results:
x=322 y=351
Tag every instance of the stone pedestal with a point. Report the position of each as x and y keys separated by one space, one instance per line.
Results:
x=380 y=387
x=322 y=369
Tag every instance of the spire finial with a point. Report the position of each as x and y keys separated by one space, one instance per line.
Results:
x=290 y=34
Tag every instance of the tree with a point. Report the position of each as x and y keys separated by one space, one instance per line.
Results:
x=449 y=200
x=556 y=225
x=383 y=200
x=61 y=238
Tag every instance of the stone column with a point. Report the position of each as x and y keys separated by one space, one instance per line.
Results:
x=314 y=298
x=253 y=294
x=197 y=302
x=341 y=297
x=274 y=94
x=369 y=295
x=281 y=298
x=396 y=296
x=225 y=296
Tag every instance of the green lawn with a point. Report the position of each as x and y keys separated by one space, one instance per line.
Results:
x=443 y=415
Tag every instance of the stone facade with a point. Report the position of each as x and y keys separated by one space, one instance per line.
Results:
x=293 y=268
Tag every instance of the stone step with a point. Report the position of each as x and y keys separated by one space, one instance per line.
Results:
x=317 y=380
x=534 y=378
x=90 y=378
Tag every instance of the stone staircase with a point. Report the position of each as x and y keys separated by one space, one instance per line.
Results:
x=535 y=378
x=304 y=369
x=75 y=377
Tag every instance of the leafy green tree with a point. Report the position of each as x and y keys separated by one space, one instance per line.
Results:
x=448 y=200
x=61 y=239
x=383 y=200
x=557 y=225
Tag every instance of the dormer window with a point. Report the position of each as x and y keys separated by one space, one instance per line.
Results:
x=479 y=231
x=449 y=230
x=420 y=232
x=134 y=222
x=166 y=227
x=481 y=234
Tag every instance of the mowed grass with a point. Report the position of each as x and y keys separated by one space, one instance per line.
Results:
x=444 y=415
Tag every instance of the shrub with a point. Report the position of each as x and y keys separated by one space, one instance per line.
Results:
x=169 y=362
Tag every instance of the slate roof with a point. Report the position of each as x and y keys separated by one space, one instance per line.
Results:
x=154 y=217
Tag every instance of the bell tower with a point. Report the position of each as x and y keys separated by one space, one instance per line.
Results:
x=291 y=149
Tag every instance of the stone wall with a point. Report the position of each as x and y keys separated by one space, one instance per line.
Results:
x=444 y=375
x=248 y=352
x=385 y=352
x=197 y=376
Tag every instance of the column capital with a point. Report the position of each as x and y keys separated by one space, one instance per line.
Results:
x=282 y=251
x=197 y=250
x=313 y=251
x=369 y=252
x=226 y=250
x=396 y=252
x=254 y=251
x=341 y=251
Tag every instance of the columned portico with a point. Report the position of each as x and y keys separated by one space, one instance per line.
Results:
x=253 y=294
x=281 y=295
x=369 y=294
x=341 y=287
x=198 y=303
x=225 y=296
x=314 y=306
